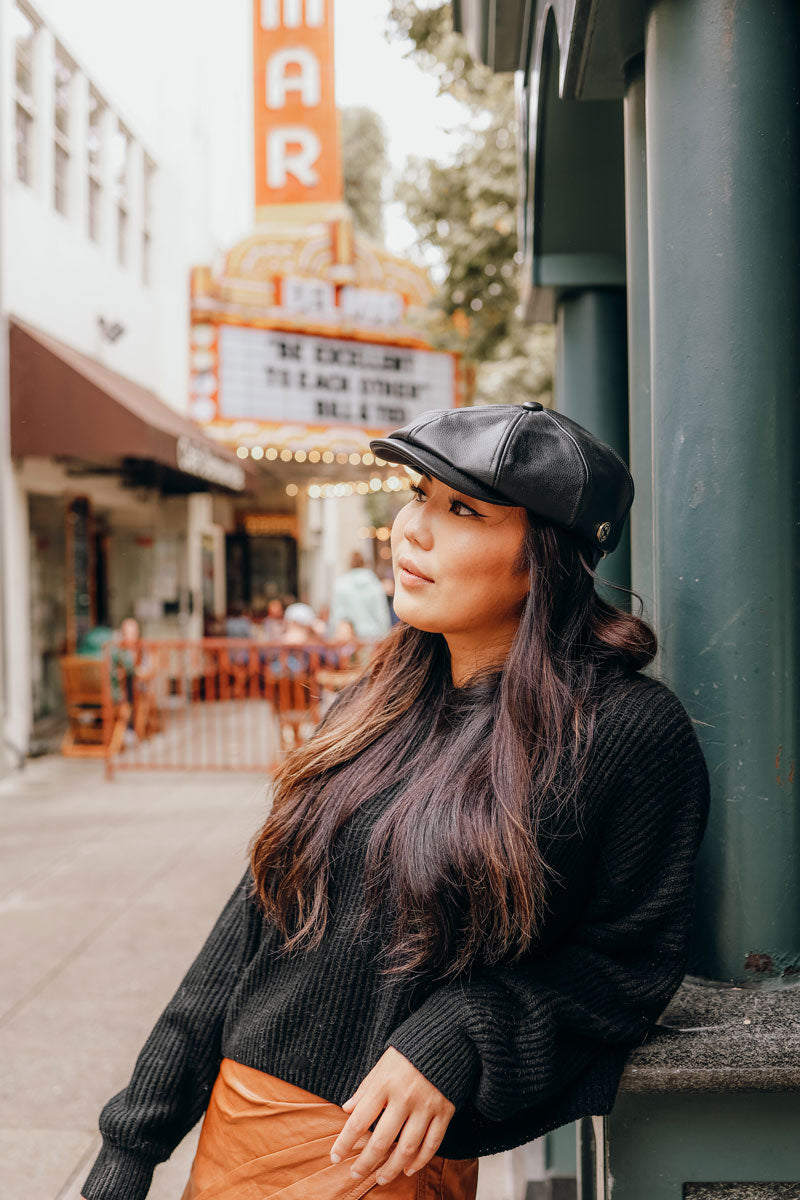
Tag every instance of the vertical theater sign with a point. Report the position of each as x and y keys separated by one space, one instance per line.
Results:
x=307 y=338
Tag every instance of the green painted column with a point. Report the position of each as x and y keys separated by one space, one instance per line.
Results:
x=591 y=387
x=677 y=1146
x=723 y=195
x=638 y=283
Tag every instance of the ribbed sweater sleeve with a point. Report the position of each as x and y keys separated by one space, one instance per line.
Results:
x=511 y=1036
x=176 y=1068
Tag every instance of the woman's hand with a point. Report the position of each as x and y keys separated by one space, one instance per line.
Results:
x=415 y=1114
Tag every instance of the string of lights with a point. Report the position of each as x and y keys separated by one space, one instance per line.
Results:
x=271 y=454
x=393 y=483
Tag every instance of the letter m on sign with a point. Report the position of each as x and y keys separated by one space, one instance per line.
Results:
x=297 y=155
x=291 y=14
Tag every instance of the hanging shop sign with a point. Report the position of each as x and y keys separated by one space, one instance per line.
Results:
x=297 y=157
x=197 y=460
x=272 y=376
x=261 y=524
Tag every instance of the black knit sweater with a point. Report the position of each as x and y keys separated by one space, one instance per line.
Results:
x=519 y=1049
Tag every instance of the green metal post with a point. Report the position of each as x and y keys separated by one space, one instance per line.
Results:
x=591 y=386
x=723 y=194
x=640 y=424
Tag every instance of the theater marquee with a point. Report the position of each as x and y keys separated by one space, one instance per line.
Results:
x=268 y=375
x=307 y=338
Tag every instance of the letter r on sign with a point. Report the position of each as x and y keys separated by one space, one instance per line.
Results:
x=292 y=150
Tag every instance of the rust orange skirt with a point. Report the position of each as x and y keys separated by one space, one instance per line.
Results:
x=265 y=1139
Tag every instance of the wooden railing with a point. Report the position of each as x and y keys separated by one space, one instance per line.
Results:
x=227 y=704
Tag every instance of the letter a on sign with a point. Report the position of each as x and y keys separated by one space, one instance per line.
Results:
x=297 y=155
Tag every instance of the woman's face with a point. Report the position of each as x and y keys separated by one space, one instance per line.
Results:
x=453 y=559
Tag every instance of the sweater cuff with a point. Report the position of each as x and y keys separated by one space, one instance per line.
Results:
x=434 y=1041
x=119 y=1174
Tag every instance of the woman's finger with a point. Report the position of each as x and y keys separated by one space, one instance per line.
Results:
x=357 y=1094
x=380 y=1144
x=430 y=1144
x=367 y=1110
x=406 y=1149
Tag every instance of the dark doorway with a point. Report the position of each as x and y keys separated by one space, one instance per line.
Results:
x=258 y=567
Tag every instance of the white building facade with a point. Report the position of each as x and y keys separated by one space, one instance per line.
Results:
x=126 y=158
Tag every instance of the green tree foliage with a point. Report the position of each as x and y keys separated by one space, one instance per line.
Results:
x=466 y=211
x=364 y=167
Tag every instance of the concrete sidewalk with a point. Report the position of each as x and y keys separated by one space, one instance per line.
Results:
x=107 y=892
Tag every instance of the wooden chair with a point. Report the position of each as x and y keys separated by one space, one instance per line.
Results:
x=294 y=692
x=96 y=723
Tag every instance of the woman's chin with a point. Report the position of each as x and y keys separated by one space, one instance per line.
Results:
x=416 y=614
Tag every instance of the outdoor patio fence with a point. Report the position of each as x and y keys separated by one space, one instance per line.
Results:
x=217 y=704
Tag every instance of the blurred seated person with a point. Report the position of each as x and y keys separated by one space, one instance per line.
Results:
x=130 y=667
x=237 y=622
x=272 y=627
x=342 y=646
x=238 y=625
x=299 y=624
x=299 y=629
x=126 y=654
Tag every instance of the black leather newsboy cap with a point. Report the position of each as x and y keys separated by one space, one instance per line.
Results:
x=521 y=454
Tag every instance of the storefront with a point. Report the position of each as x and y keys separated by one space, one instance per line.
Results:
x=121 y=510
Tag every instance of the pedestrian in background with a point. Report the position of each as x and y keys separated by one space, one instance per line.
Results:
x=473 y=893
x=358 y=597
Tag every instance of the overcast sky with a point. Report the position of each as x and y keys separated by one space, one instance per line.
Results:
x=373 y=71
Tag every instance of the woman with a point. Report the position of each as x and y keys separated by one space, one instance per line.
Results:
x=472 y=895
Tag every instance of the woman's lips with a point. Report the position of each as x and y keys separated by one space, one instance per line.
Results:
x=411 y=576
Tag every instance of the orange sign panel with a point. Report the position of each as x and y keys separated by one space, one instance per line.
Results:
x=297 y=154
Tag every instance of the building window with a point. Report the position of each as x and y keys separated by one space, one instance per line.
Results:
x=94 y=163
x=147 y=219
x=122 y=163
x=62 y=114
x=25 y=31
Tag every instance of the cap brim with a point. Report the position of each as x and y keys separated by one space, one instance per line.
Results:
x=428 y=463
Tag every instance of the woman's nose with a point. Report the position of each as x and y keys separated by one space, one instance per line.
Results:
x=417 y=528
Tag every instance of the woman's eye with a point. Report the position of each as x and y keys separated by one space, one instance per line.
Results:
x=456 y=506
x=465 y=508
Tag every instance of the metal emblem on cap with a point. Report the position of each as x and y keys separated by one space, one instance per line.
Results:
x=603 y=531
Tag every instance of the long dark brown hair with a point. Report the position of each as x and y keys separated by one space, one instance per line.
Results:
x=454 y=854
